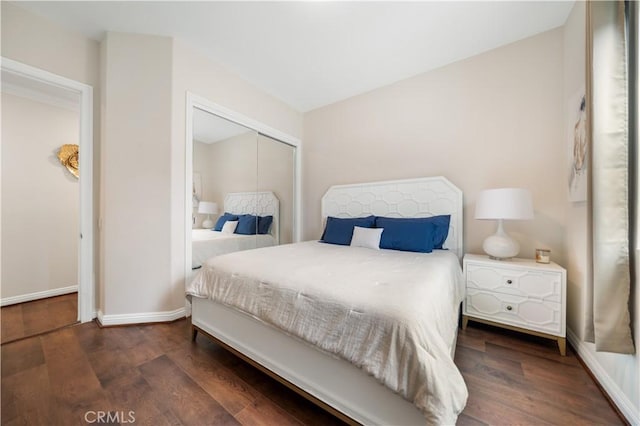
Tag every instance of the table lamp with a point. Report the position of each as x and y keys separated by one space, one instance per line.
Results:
x=208 y=208
x=503 y=204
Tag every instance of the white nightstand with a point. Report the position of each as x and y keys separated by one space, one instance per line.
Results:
x=518 y=294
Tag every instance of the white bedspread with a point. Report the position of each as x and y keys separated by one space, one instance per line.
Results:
x=391 y=313
x=207 y=244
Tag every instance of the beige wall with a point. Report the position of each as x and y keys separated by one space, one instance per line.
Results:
x=620 y=374
x=226 y=166
x=38 y=42
x=232 y=167
x=276 y=166
x=39 y=198
x=136 y=174
x=494 y=120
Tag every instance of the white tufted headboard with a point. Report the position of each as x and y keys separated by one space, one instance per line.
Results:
x=421 y=197
x=255 y=203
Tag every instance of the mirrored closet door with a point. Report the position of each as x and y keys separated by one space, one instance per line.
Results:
x=243 y=189
x=225 y=156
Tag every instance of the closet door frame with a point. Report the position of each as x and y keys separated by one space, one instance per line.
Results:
x=195 y=101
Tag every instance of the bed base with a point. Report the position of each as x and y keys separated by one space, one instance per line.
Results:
x=288 y=384
x=332 y=383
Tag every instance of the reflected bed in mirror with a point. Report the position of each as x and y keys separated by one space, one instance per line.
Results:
x=208 y=243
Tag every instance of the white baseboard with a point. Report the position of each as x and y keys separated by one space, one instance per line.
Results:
x=139 y=318
x=38 y=295
x=614 y=392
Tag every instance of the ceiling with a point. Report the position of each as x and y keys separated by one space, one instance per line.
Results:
x=314 y=53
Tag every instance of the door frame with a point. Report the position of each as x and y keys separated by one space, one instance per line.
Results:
x=86 y=275
x=195 y=101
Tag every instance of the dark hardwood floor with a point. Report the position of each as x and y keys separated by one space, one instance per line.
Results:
x=156 y=372
x=38 y=316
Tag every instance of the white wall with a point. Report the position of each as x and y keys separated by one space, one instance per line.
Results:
x=619 y=374
x=40 y=197
x=38 y=42
x=493 y=120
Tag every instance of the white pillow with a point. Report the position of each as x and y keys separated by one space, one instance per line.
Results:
x=229 y=227
x=366 y=237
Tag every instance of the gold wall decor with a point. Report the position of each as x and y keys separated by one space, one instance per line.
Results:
x=68 y=156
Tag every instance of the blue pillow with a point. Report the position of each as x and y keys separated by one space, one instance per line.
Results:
x=247 y=224
x=264 y=223
x=406 y=234
x=222 y=219
x=340 y=230
x=441 y=229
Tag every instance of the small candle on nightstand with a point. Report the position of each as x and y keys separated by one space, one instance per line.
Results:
x=543 y=255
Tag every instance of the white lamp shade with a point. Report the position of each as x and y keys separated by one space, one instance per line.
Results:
x=505 y=203
x=207 y=207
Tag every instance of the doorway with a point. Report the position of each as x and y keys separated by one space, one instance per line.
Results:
x=33 y=91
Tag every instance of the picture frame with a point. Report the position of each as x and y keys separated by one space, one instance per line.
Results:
x=197 y=190
x=577 y=142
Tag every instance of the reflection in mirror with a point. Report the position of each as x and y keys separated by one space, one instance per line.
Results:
x=276 y=173
x=241 y=176
x=224 y=182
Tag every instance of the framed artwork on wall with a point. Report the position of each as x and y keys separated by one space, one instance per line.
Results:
x=197 y=189
x=577 y=143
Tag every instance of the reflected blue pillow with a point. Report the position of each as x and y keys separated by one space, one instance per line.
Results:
x=340 y=230
x=264 y=223
x=247 y=224
x=222 y=219
x=406 y=234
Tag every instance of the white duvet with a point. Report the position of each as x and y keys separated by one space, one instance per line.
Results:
x=206 y=244
x=394 y=314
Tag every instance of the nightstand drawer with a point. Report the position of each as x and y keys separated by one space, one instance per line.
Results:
x=543 y=285
x=518 y=311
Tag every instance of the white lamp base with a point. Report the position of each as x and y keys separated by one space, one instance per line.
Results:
x=207 y=223
x=500 y=245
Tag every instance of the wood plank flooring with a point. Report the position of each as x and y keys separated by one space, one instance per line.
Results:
x=38 y=316
x=156 y=372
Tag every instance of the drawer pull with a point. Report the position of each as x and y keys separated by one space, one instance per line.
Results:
x=509 y=308
x=509 y=282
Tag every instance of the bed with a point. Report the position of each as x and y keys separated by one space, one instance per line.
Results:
x=300 y=312
x=206 y=243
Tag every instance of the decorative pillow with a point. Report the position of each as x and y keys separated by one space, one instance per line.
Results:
x=264 y=223
x=366 y=237
x=441 y=229
x=406 y=234
x=247 y=224
x=340 y=230
x=222 y=219
x=229 y=227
